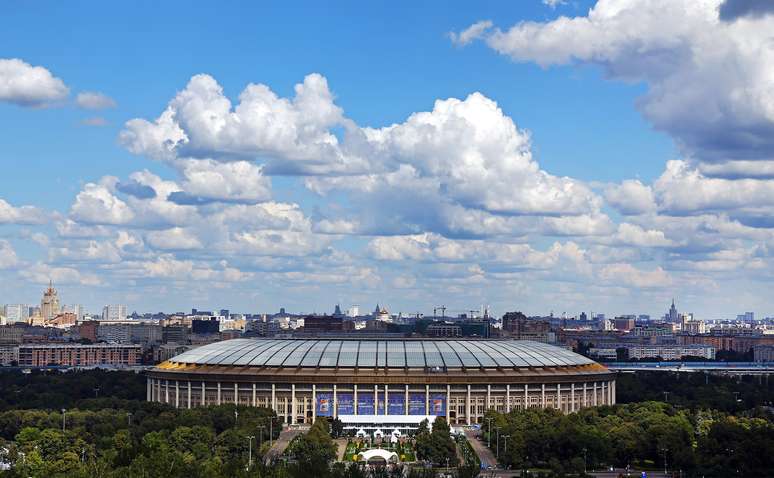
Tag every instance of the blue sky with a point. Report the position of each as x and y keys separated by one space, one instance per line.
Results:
x=621 y=233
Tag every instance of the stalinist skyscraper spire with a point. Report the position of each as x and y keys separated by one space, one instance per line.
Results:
x=49 y=306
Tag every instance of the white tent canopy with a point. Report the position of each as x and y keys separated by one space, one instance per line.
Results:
x=377 y=453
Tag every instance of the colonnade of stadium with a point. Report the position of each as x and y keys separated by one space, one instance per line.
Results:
x=458 y=379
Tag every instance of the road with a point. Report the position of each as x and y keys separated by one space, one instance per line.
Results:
x=280 y=444
x=484 y=454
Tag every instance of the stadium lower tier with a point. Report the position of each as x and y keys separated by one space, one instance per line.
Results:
x=458 y=403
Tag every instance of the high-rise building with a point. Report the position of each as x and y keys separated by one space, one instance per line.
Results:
x=16 y=313
x=747 y=317
x=49 y=305
x=672 y=316
x=114 y=312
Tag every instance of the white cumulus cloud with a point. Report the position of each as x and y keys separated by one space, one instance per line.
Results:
x=27 y=85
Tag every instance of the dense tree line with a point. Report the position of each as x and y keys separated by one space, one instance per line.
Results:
x=147 y=439
x=698 y=442
x=696 y=390
x=74 y=389
x=436 y=446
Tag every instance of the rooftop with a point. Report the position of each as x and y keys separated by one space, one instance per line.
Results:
x=393 y=353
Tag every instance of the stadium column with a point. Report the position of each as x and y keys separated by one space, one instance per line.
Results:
x=488 y=396
x=558 y=402
x=354 y=398
x=204 y=395
x=406 y=402
x=427 y=400
x=255 y=402
x=613 y=402
x=376 y=399
x=610 y=393
x=149 y=389
x=166 y=391
x=335 y=403
x=177 y=394
x=314 y=403
x=467 y=407
x=508 y=398
x=236 y=393
x=274 y=398
x=572 y=397
x=292 y=403
x=543 y=396
x=386 y=392
x=526 y=396
x=189 y=395
x=583 y=402
x=218 y=399
x=448 y=403
x=595 y=394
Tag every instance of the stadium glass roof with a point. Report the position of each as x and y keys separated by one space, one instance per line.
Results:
x=381 y=353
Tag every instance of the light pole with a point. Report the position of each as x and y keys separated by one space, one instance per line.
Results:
x=665 y=460
x=249 y=451
x=236 y=417
x=666 y=396
x=271 y=431
x=584 y=461
x=489 y=433
x=129 y=418
x=260 y=437
x=506 y=437
x=96 y=392
x=64 y=423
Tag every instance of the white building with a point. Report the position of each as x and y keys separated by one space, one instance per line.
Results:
x=114 y=312
x=17 y=313
x=671 y=352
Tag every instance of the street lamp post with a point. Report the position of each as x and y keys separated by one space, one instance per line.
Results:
x=129 y=418
x=506 y=437
x=260 y=437
x=250 y=451
x=271 y=431
x=64 y=423
x=236 y=417
x=584 y=461
x=665 y=460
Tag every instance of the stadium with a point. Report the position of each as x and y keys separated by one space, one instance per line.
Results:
x=364 y=380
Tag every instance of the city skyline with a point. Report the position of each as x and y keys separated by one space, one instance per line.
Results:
x=418 y=156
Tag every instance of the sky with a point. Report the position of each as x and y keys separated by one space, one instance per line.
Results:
x=539 y=155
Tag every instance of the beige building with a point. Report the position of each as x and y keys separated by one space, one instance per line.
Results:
x=49 y=305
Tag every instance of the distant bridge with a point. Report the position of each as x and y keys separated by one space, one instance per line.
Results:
x=723 y=368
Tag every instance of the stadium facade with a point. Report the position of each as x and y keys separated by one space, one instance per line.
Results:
x=458 y=379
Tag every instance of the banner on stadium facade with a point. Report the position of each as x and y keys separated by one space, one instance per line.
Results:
x=396 y=404
x=380 y=405
x=346 y=404
x=437 y=404
x=324 y=405
x=365 y=404
x=417 y=404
